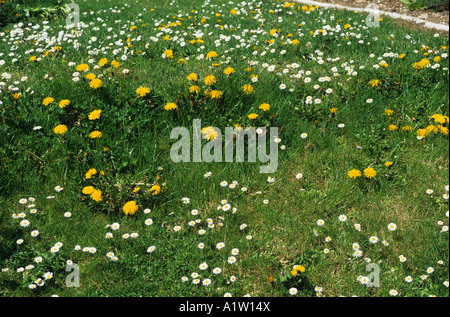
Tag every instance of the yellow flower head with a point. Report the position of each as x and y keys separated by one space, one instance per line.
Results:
x=82 y=67
x=155 y=189
x=170 y=106
x=96 y=195
x=354 y=173
x=375 y=82
x=253 y=116
x=210 y=80
x=96 y=83
x=192 y=76
x=91 y=172
x=16 y=95
x=370 y=172
x=95 y=135
x=130 y=208
x=388 y=163
x=115 y=64
x=209 y=133
x=264 y=107
x=422 y=64
x=94 y=115
x=102 y=62
x=60 y=129
x=194 y=89
x=142 y=91
x=64 y=103
x=393 y=127
x=47 y=101
x=88 y=190
x=438 y=118
x=90 y=76
x=228 y=71
x=422 y=132
x=168 y=54
x=215 y=94
x=248 y=89
x=211 y=54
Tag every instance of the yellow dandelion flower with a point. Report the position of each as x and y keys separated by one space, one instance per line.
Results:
x=88 y=190
x=130 y=208
x=142 y=91
x=64 y=103
x=194 y=89
x=96 y=83
x=375 y=82
x=102 y=62
x=248 y=89
x=82 y=67
x=388 y=163
x=438 y=118
x=95 y=115
x=168 y=54
x=95 y=135
x=210 y=80
x=90 y=76
x=96 y=195
x=115 y=64
x=370 y=172
x=211 y=54
x=155 y=189
x=393 y=127
x=170 y=106
x=60 y=129
x=422 y=132
x=192 y=76
x=209 y=133
x=253 y=116
x=47 y=101
x=300 y=268
x=91 y=172
x=354 y=173
x=16 y=95
x=432 y=128
x=228 y=71
x=407 y=128
x=264 y=107
x=215 y=94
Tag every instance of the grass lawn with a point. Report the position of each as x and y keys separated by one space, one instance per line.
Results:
x=360 y=194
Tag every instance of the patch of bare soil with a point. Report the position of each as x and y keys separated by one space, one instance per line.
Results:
x=433 y=14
